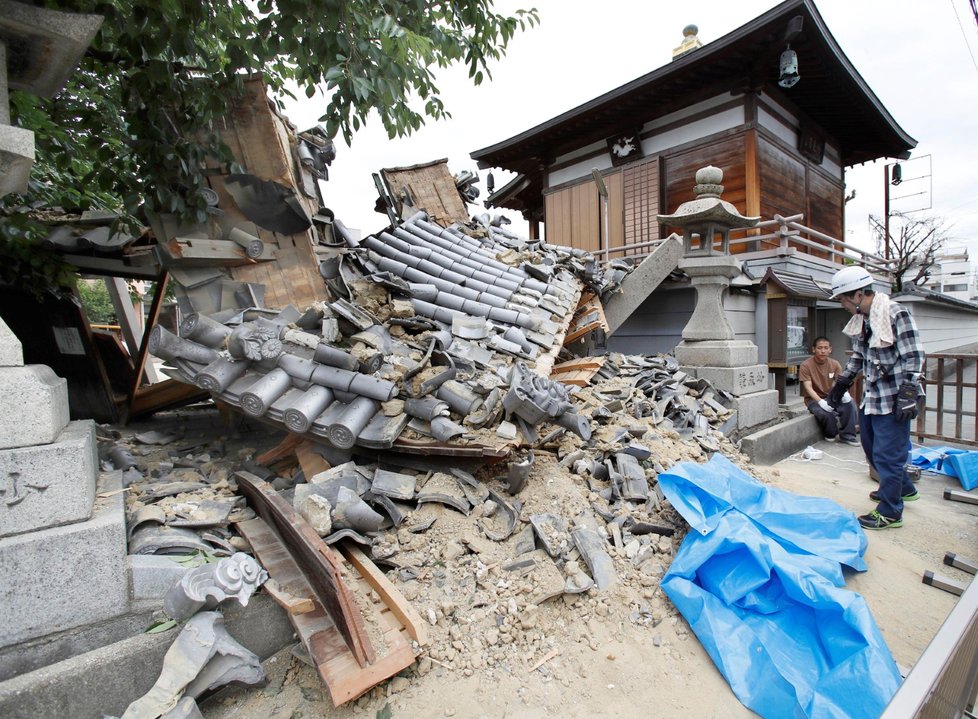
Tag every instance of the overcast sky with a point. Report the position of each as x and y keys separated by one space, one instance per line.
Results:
x=918 y=56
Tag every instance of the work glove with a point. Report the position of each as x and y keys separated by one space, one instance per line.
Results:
x=826 y=406
x=906 y=402
x=840 y=387
x=846 y=398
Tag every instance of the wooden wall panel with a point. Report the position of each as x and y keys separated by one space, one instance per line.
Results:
x=826 y=205
x=680 y=172
x=260 y=140
x=782 y=180
x=572 y=216
x=642 y=187
x=616 y=210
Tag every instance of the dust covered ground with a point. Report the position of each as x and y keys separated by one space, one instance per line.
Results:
x=507 y=641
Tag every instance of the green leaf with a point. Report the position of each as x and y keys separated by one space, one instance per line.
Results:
x=161 y=626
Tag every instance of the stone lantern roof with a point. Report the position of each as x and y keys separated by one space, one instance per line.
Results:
x=707 y=215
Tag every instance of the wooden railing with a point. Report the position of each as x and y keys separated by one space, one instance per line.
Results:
x=949 y=412
x=775 y=235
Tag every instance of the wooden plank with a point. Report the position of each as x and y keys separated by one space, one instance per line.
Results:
x=280 y=451
x=315 y=560
x=397 y=604
x=167 y=394
x=580 y=363
x=344 y=677
x=310 y=460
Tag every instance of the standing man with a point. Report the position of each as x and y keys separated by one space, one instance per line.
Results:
x=886 y=348
x=817 y=374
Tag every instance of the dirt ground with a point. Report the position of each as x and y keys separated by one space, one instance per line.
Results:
x=624 y=652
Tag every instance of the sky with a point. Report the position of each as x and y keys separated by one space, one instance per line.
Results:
x=920 y=58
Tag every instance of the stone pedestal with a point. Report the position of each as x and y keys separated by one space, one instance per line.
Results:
x=710 y=276
x=62 y=550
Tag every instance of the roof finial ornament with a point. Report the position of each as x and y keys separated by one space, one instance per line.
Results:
x=690 y=42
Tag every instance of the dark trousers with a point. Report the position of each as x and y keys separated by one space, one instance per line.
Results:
x=840 y=422
x=885 y=440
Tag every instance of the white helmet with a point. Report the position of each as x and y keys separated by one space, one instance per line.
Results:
x=850 y=279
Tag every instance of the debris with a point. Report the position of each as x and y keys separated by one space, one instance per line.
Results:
x=203 y=656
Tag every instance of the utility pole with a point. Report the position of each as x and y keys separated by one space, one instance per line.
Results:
x=886 y=212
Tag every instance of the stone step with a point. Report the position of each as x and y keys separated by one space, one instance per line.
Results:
x=63 y=577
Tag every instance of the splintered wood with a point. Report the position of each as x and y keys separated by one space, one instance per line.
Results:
x=577 y=372
x=588 y=317
x=319 y=591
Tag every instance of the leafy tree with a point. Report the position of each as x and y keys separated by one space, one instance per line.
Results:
x=136 y=123
x=913 y=248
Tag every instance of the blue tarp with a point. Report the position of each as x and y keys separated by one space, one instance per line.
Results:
x=759 y=580
x=960 y=463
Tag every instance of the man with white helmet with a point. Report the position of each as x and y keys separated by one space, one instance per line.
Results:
x=886 y=348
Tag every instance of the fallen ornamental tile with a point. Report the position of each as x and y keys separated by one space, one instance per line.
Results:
x=235 y=577
x=154 y=539
x=202 y=639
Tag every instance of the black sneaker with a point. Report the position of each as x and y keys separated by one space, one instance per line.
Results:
x=852 y=441
x=875 y=520
x=912 y=497
x=832 y=438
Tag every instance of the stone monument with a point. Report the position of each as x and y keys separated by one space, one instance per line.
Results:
x=709 y=348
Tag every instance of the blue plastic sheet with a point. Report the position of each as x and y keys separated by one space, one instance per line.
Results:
x=959 y=463
x=759 y=580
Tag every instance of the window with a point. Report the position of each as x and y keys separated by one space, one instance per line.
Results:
x=798 y=334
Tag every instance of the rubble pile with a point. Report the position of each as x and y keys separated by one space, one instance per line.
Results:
x=535 y=513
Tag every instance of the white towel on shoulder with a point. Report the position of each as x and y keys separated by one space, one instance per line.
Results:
x=879 y=322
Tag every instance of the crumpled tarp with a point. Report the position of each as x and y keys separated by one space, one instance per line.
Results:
x=758 y=579
x=959 y=463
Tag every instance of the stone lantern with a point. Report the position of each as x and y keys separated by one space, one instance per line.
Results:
x=709 y=349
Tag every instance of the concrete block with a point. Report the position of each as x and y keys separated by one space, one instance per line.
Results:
x=35 y=405
x=105 y=681
x=717 y=353
x=756 y=408
x=50 y=484
x=642 y=282
x=64 y=577
x=16 y=159
x=738 y=381
x=11 y=350
x=772 y=444
x=151 y=576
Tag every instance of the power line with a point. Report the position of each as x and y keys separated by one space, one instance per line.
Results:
x=974 y=9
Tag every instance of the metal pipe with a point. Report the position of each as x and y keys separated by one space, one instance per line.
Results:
x=259 y=397
x=344 y=430
x=203 y=329
x=300 y=416
x=219 y=374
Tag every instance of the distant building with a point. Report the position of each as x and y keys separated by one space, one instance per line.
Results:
x=953 y=275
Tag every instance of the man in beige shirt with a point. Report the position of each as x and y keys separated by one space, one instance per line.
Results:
x=817 y=374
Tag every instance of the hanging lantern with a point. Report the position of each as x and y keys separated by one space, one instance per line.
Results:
x=789 y=76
